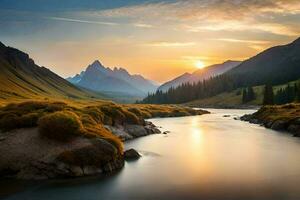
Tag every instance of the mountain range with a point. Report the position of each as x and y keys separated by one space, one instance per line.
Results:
x=96 y=77
x=199 y=75
x=277 y=65
x=21 y=78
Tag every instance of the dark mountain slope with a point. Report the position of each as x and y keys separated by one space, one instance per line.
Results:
x=21 y=78
x=276 y=65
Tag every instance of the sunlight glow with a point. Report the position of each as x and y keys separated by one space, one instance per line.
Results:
x=199 y=64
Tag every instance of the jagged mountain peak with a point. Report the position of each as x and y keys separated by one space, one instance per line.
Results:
x=100 y=78
x=121 y=70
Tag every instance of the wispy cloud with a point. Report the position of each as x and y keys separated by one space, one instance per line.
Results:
x=243 y=41
x=230 y=9
x=274 y=28
x=141 y=25
x=171 y=44
x=218 y=15
x=82 y=21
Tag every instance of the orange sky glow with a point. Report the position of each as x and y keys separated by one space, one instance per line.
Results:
x=159 y=40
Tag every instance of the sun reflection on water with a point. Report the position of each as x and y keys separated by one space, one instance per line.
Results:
x=196 y=131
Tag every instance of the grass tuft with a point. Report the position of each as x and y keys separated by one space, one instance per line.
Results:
x=61 y=126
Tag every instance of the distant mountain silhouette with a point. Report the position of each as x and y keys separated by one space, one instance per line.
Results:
x=200 y=74
x=275 y=65
x=21 y=78
x=103 y=79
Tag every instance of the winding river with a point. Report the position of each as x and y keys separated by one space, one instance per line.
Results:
x=203 y=157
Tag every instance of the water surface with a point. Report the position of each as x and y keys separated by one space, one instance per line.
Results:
x=203 y=157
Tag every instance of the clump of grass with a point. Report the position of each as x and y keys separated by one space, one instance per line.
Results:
x=9 y=121
x=60 y=126
x=95 y=113
x=287 y=112
x=100 y=131
x=61 y=121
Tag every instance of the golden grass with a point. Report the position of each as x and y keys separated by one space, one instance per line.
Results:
x=61 y=120
x=287 y=112
x=60 y=125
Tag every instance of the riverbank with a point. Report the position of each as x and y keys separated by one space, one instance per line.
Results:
x=282 y=118
x=193 y=146
x=42 y=140
x=219 y=106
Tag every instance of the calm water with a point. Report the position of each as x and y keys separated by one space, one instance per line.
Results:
x=204 y=157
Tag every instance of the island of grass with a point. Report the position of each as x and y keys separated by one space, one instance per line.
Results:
x=48 y=139
x=278 y=117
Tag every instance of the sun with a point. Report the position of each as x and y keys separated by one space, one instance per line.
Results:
x=199 y=64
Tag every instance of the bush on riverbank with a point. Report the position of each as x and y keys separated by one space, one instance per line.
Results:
x=61 y=126
x=280 y=117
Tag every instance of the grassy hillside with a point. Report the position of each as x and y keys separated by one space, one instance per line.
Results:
x=234 y=98
x=21 y=79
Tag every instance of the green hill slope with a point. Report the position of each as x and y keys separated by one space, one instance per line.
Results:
x=21 y=78
x=234 y=98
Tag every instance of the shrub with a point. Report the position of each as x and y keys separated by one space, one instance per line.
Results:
x=114 y=112
x=28 y=120
x=95 y=113
x=146 y=114
x=131 y=118
x=60 y=126
x=136 y=111
x=99 y=130
x=9 y=122
x=87 y=120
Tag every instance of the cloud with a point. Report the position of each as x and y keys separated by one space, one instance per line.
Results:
x=252 y=26
x=82 y=21
x=214 y=9
x=141 y=25
x=217 y=15
x=171 y=44
x=244 y=41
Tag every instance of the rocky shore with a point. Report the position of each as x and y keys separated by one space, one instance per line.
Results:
x=131 y=131
x=43 y=140
x=26 y=155
x=281 y=118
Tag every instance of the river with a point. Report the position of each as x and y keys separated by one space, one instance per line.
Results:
x=203 y=157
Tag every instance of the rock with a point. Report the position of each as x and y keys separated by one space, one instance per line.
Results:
x=254 y=121
x=166 y=132
x=294 y=129
x=278 y=125
x=297 y=121
x=26 y=155
x=91 y=170
x=246 y=117
x=136 y=130
x=76 y=171
x=268 y=124
x=131 y=154
x=120 y=132
x=226 y=115
x=151 y=128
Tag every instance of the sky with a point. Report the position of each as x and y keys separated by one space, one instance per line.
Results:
x=157 y=39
